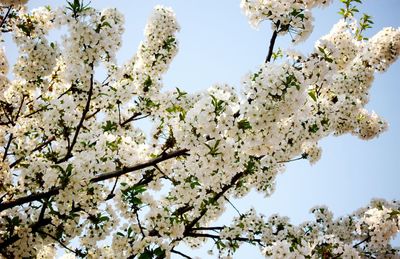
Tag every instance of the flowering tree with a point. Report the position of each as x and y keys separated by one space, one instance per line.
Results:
x=76 y=168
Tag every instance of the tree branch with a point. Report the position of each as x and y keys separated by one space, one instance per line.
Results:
x=3 y=21
x=272 y=43
x=180 y=253
x=19 y=108
x=58 y=241
x=83 y=117
x=207 y=228
x=140 y=224
x=214 y=199
x=48 y=141
x=293 y=160
x=151 y=162
x=30 y=198
x=111 y=194
x=241 y=239
x=7 y=147
x=362 y=241
x=35 y=227
x=132 y=118
x=55 y=190
x=240 y=214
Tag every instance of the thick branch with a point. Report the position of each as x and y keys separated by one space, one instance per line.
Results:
x=32 y=197
x=55 y=190
x=149 y=163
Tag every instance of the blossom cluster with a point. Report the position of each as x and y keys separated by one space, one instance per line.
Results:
x=351 y=236
x=288 y=16
x=78 y=169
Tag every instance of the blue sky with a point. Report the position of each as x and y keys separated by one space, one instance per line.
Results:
x=218 y=46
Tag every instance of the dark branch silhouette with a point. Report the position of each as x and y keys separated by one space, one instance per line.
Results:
x=272 y=43
x=55 y=190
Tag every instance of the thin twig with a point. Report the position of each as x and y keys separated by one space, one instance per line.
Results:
x=207 y=228
x=240 y=214
x=241 y=239
x=7 y=115
x=48 y=141
x=36 y=111
x=111 y=194
x=7 y=147
x=93 y=114
x=181 y=254
x=140 y=224
x=133 y=118
x=20 y=108
x=166 y=176
x=292 y=160
x=58 y=241
x=83 y=117
x=224 y=189
x=119 y=112
x=362 y=241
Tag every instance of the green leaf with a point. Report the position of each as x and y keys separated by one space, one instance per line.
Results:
x=213 y=150
x=110 y=126
x=104 y=218
x=313 y=128
x=146 y=255
x=250 y=166
x=180 y=93
x=219 y=105
x=326 y=55
x=129 y=195
x=159 y=252
x=148 y=102
x=244 y=124
x=169 y=43
x=277 y=54
x=77 y=7
x=312 y=93
x=174 y=108
x=113 y=145
x=147 y=83
x=129 y=232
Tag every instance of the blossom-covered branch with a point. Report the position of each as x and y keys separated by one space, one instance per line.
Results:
x=102 y=177
x=77 y=168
